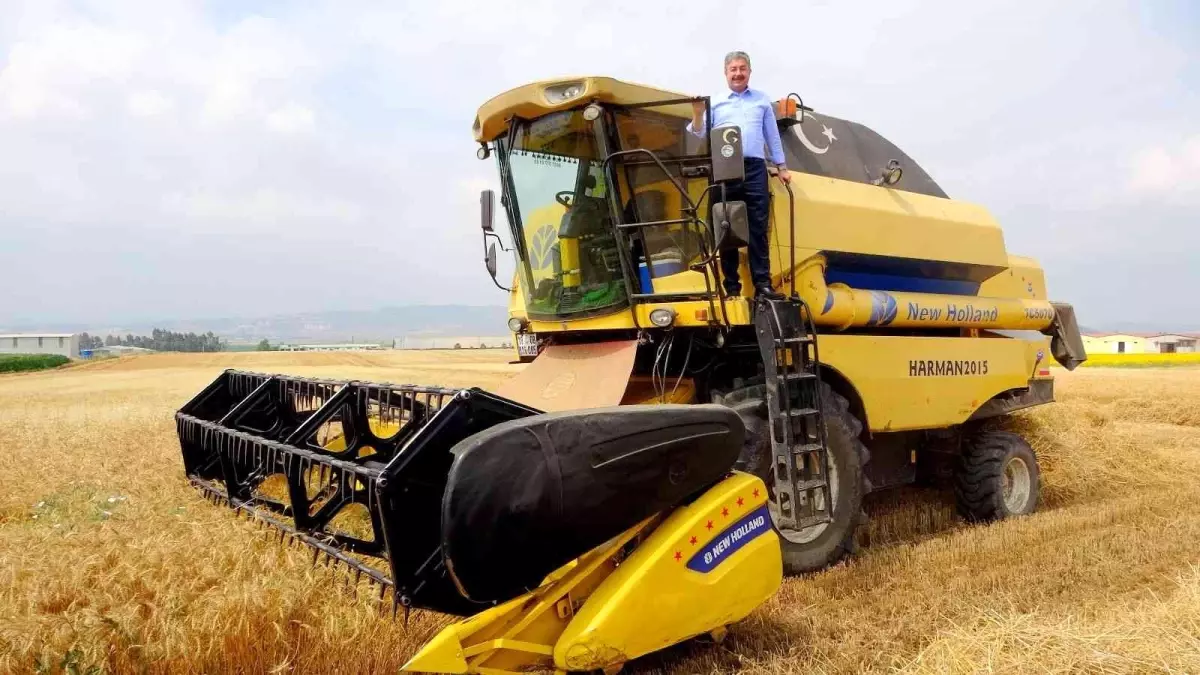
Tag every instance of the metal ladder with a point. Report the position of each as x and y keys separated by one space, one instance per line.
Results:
x=787 y=340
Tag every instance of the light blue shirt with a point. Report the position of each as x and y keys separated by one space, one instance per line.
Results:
x=753 y=113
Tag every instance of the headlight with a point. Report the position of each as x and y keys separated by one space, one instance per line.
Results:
x=662 y=317
x=515 y=324
x=563 y=92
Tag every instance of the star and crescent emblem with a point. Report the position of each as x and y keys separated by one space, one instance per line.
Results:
x=826 y=132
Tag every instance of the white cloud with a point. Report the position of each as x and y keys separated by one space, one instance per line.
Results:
x=149 y=103
x=265 y=208
x=329 y=135
x=290 y=118
x=1167 y=172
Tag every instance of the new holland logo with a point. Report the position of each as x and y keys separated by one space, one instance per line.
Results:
x=542 y=247
x=750 y=527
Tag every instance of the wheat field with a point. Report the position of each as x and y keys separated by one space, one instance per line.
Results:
x=109 y=562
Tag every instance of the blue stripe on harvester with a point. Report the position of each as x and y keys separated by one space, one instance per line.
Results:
x=914 y=275
x=870 y=281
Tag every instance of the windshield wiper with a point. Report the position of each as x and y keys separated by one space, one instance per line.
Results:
x=509 y=190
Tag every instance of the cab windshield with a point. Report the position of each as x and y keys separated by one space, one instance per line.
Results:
x=557 y=204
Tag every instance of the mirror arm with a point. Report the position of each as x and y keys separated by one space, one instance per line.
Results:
x=487 y=262
x=498 y=241
x=507 y=290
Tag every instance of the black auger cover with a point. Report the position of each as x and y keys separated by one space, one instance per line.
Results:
x=529 y=495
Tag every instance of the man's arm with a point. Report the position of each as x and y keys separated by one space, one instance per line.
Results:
x=696 y=126
x=771 y=133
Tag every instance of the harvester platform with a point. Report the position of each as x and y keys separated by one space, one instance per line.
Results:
x=555 y=532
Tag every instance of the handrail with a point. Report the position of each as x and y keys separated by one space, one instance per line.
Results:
x=791 y=234
x=692 y=208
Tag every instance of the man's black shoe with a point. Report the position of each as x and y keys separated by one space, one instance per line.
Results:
x=733 y=292
x=765 y=291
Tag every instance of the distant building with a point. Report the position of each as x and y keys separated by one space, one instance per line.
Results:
x=459 y=342
x=112 y=351
x=347 y=347
x=64 y=344
x=1140 y=343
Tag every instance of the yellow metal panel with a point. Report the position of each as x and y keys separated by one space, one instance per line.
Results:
x=514 y=645
x=841 y=215
x=930 y=382
x=707 y=565
x=688 y=313
x=517 y=636
x=1023 y=279
x=529 y=101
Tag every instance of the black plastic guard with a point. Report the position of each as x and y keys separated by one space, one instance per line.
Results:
x=246 y=429
x=1066 y=344
x=527 y=496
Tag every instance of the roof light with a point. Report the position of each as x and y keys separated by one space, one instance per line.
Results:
x=566 y=91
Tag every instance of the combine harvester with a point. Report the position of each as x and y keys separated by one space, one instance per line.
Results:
x=670 y=452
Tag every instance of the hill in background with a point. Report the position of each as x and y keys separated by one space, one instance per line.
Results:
x=378 y=326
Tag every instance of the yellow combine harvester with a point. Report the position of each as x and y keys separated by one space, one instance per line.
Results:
x=670 y=452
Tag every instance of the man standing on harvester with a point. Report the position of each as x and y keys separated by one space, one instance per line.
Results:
x=752 y=112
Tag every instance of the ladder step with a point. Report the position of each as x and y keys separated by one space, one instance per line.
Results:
x=818 y=519
x=811 y=484
x=796 y=340
x=802 y=412
x=798 y=375
x=808 y=447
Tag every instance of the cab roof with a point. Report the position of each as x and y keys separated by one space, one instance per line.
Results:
x=539 y=98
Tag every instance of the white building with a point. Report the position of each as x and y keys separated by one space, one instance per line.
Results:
x=1173 y=344
x=457 y=342
x=1140 y=343
x=342 y=347
x=65 y=344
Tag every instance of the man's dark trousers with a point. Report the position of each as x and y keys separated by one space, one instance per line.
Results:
x=752 y=190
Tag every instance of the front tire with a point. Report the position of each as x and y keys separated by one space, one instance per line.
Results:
x=823 y=545
x=998 y=477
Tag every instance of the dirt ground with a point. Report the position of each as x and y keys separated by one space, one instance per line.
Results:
x=108 y=560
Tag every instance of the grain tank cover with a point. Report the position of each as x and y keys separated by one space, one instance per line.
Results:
x=828 y=146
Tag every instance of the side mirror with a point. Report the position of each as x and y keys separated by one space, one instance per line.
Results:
x=487 y=200
x=491 y=259
x=732 y=224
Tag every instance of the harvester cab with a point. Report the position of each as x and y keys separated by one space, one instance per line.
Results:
x=668 y=452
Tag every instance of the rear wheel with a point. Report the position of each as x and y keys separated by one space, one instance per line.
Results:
x=998 y=477
x=819 y=546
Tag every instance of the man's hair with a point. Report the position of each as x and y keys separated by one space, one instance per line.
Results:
x=734 y=56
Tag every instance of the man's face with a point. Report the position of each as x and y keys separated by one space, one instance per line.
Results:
x=737 y=75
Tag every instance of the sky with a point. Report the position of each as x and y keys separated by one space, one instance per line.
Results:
x=177 y=159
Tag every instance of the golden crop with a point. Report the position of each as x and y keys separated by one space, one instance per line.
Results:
x=1143 y=360
x=109 y=559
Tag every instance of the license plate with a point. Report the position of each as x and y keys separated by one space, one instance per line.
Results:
x=527 y=344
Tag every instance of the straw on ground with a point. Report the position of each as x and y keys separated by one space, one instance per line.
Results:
x=108 y=559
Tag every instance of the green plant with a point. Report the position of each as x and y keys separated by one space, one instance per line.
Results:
x=16 y=363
